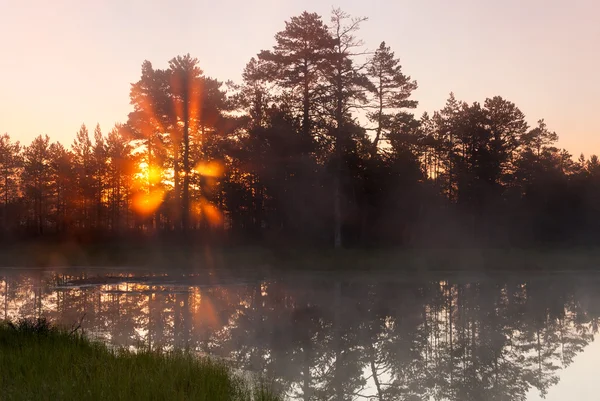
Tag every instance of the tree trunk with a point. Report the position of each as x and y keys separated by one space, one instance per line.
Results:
x=337 y=206
x=375 y=376
x=451 y=337
x=337 y=190
x=306 y=107
x=379 y=118
x=337 y=306
x=58 y=208
x=40 y=219
x=5 y=211
x=306 y=374
x=176 y=188
x=185 y=217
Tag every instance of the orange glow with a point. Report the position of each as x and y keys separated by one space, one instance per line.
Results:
x=178 y=105
x=212 y=214
x=204 y=209
x=196 y=209
x=153 y=123
x=204 y=312
x=210 y=169
x=195 y=91
x=146 y=204
x=154 y=175
x=187 y=104
x=193 y=94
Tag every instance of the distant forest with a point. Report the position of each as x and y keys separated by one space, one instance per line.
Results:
x=317 y=145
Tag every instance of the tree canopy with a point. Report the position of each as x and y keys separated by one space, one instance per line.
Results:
x=318 y=144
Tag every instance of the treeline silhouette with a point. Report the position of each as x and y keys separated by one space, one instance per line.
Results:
x=328 y=339
x=317 y=145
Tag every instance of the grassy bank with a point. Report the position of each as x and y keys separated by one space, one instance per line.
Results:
x=40 y=362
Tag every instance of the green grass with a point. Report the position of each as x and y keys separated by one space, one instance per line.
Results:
x=42 y=362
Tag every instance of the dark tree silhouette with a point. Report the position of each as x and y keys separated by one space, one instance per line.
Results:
x=297 y=63
x=10 y=163
x=36 y=177
x=315 y=146
x=391 y=92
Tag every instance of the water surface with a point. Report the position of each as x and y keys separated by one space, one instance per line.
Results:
x=344 y=337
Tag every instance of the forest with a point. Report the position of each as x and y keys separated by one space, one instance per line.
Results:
x=317 y=145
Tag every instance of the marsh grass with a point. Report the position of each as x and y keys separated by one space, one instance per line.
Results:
x=41 y=362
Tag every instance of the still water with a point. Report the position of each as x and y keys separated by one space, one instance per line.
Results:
x=360 y=337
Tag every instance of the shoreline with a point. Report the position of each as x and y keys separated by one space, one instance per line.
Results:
x=38 y=359
x=180 y=259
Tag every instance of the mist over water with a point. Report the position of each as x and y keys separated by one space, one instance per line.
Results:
x=334 y=337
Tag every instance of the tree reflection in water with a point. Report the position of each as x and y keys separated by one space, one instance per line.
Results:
x=341 y=339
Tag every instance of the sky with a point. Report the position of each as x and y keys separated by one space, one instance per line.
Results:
x=68 y=62
x=578 y=381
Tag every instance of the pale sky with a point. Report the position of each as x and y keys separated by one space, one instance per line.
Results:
x=579 y=381
x=67 y=62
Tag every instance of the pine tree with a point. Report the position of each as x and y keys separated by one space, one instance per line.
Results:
x=36 y=182
x=64 y=188
x=99 y=172
x=119 y=178
x=84 y=168
x=10 y=163
x=391 y=91
x=152 y=127
x=347 y=89
x=296 y=64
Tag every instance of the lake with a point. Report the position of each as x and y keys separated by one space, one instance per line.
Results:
x=333 y=336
